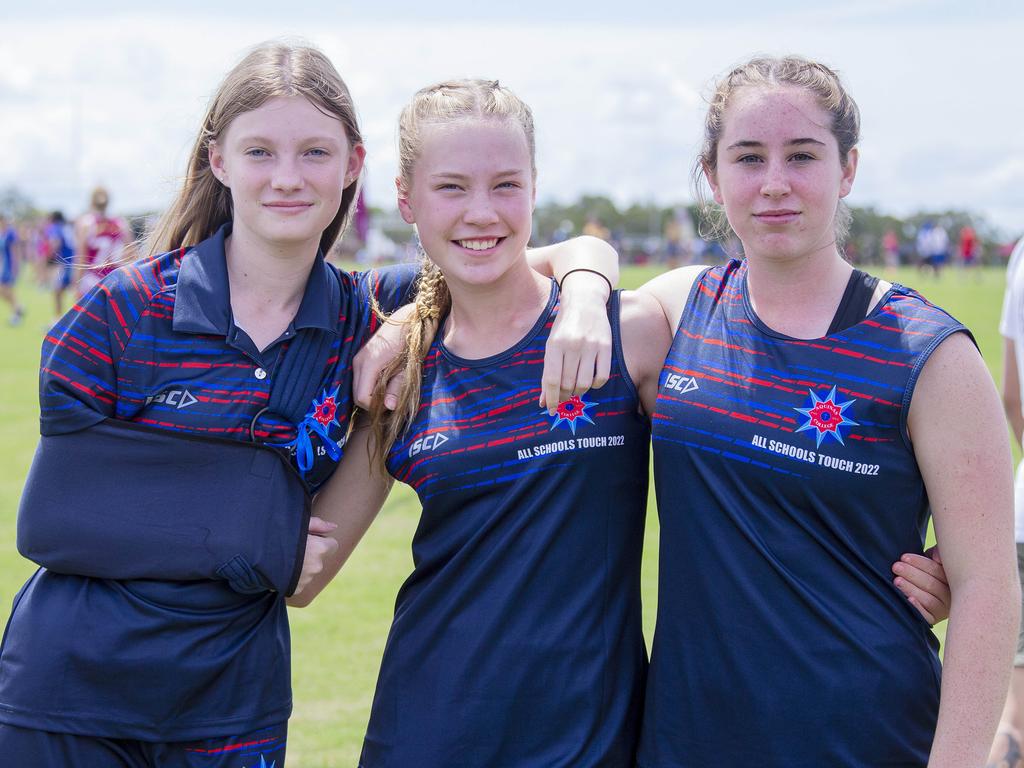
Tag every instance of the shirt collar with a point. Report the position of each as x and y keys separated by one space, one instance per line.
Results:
x=202 y=303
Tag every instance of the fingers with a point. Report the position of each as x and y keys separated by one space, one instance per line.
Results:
x=573 y=369
x=551 y=378
x=318 y=549
x=928 y=616
x=603 y=366
x=320 y=527
x=364 y=374
x=393 y=390
x=933 y=553
x=923 y=581
x=576 y=377
x=577 y=356
x=378 y=352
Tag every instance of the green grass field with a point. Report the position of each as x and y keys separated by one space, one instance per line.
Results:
x=338 y=641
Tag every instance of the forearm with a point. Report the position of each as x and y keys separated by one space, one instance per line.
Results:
x=580 y=253
x=980 y=643
x=351 y=500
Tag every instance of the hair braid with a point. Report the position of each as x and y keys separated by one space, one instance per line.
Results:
x=432 y=302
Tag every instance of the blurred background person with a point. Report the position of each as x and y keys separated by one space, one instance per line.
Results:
x=9 y=269
x=59 y=238
x=100 y=242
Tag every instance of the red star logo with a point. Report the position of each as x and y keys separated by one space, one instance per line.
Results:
x=325 y=411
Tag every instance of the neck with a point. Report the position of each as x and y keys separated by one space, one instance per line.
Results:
x=266 y=285
x=798 y=297
x=487 y=319
x=269 y=275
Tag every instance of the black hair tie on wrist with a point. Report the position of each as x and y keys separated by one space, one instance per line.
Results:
x=593 y=272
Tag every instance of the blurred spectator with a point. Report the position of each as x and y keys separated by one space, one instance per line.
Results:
x=101 y=242
x=59 y=237
x=9 y=270
x=891 y=249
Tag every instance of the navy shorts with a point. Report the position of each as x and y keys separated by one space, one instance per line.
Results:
x=264 y=748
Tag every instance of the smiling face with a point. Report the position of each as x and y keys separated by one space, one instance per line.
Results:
x=286 y=164
x=779 y=174
x=471 y=197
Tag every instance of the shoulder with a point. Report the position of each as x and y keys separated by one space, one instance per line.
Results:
x=645 y=338
x=907 y=309
x=391 y=286
x=126 y=294
x=954 y=385
x=672 y=290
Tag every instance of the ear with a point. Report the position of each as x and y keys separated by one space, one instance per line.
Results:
x=356 y=158
x=216 y=158
x=712 y=177
x=404 y=207
x=849 y=173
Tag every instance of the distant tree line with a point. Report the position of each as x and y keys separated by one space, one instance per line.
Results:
x=646 y=232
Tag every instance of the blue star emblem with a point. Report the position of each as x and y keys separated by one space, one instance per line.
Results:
x=826 y=416
x=571 y=410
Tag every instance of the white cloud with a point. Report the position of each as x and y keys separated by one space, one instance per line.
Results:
x=618 y=109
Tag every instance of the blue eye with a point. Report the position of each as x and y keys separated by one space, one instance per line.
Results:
x=749 y=159
x=256 y=152
x=318 y=152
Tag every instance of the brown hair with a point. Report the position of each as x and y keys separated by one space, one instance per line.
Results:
x=442 y=103
x=268 y=71
x=771 y=72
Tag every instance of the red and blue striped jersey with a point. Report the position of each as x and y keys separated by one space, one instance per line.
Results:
x=155 y=344
x=517 y=638
x=787 y=485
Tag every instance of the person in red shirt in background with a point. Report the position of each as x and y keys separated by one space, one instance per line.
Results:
x=102 y=243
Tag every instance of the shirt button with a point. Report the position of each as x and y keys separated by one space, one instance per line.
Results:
x=260 y=374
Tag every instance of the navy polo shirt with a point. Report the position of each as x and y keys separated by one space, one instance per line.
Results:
x=155 y=343
x=152 y=658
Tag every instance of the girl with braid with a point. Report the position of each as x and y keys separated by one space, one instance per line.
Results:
x=517 y=638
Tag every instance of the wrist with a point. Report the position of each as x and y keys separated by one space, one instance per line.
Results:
x=585 y=282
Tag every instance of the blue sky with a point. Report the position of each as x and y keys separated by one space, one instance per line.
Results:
x=112 y=91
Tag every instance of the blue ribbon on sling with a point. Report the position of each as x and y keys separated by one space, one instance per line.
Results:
x=317 y=421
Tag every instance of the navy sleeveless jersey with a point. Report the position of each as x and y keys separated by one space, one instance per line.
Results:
x=155 y=344
x=787 y=486
x=517 y=638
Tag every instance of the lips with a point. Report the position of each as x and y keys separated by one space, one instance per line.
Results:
x=479 y=243
x=288 y=206
x=779 y=216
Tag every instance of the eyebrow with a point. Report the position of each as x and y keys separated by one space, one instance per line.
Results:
x=464 y=177
x=791 y=143
x=257 y=139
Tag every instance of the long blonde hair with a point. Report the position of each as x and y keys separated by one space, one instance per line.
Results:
x=441 y=103
x=269 y=70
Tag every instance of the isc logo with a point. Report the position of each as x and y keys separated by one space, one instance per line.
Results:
x=176 y=398
x=428 y=443
x=680 y=383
